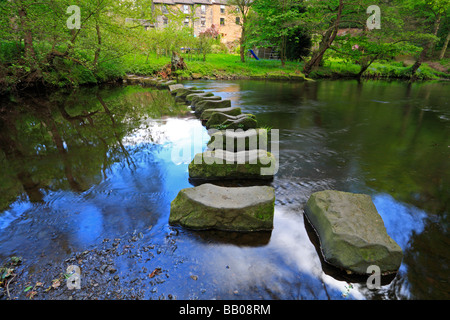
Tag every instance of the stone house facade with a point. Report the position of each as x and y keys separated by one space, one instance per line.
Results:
x=200 y=14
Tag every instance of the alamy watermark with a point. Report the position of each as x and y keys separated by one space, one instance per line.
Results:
x=374 y=21
x=373 y=282
x=74 y=21
x=73 y=277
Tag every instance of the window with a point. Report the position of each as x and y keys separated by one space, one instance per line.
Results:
x=165 y=21
x=203 y=22
x=238 y=20
x=222 y=9
x=203 y=9
x=186 y=22
x=164 y=9
x=186 y=8
x=222 y=21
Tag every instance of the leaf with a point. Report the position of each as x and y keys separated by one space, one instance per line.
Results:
x=155 y=272
x=56 y=283
x=28 y=288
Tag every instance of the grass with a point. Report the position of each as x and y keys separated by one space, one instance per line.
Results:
x=335 y=67
x=229 y=66
x=216 y=66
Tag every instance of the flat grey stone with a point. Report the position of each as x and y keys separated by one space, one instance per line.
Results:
x=238 y=140
x=233 y=111
x=351 y=232
x=233 y=209
x=221 y=164
x=173 y=87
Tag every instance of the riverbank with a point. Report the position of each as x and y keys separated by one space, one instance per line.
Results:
x=228 y=67
x=216 y=67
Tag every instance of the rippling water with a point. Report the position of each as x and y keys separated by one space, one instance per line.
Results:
x=78 y=167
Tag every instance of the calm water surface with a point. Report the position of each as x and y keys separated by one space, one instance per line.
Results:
x=78 y=167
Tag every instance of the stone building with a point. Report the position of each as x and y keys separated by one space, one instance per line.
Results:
x=201 y=14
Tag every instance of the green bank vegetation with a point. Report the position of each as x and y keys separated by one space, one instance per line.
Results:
x=40 y=47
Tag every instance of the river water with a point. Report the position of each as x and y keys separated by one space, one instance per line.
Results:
x=78 y=167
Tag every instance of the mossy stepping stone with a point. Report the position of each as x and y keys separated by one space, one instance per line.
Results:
x=231 y=209
x=351 y=232
x=223 y=165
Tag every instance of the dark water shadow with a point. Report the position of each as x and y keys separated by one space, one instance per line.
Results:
x=233 y=182
x=237 y=238
x=333 y=271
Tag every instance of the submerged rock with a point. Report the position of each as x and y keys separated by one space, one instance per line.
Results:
x=233 y=209
x=351 y=232
x=211 y=104
x=239 y=140
x=233 y=111
x=221 y=164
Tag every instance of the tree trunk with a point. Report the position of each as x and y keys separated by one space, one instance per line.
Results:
x=326 y=42
x=242 y=43
x=27 y=35
x=99 y=44
x=426 y=49
x=365 y=66
x=444 y=48
x=283 y=51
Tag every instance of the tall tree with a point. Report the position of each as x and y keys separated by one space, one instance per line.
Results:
x=428 y=15
x=243 y=7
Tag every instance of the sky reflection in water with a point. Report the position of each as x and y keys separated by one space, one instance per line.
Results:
x=320 y=148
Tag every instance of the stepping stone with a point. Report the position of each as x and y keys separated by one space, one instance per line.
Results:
x=231 y=209
x=223 y=121
x=198 y=98
x=351 y=232
x=210 y=104
x=233 y=111
x=173 y=87
x=133 y=80
x=181 y=89
x=220 y=165
x=149 y=81
x=239 y=140
x=165 y=84
x=189 y=97
x=183 y=93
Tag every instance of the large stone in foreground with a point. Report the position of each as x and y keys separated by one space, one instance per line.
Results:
x=233 y=209
x=351 y=232
x=221 y=165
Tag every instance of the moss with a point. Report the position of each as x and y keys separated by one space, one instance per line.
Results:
x=209 y=169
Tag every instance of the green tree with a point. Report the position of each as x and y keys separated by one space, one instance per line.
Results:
x=275 y=22
x=243 y=7
x=427 y=17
